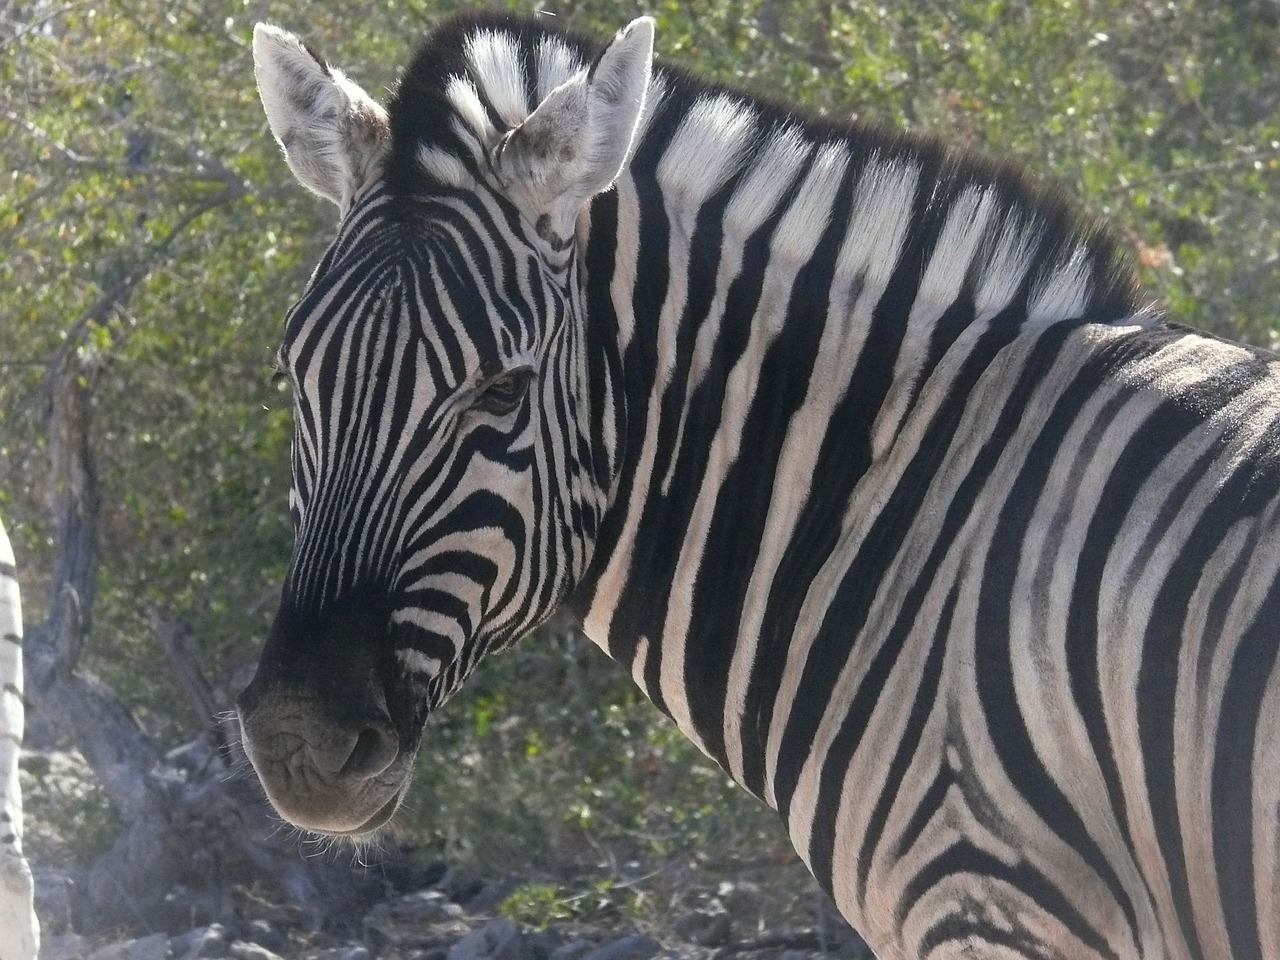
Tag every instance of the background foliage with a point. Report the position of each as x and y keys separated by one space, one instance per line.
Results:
x=151 y=229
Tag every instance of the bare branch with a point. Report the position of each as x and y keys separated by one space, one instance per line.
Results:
x=56 y=145
x=25 y=30
x=117 y=294
x=175 y=635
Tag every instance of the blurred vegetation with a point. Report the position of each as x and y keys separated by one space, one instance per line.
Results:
x=152 y=229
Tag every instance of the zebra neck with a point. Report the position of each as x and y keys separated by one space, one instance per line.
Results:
x=779 y=306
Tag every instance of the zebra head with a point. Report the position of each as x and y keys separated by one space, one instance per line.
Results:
x=449 y=464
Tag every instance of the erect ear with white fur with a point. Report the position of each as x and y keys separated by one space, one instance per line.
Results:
x=332 y=132
x=577 y=141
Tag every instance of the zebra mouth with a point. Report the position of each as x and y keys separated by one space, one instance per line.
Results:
x=375 y=823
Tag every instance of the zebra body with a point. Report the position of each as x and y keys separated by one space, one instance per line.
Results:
x=863 y=457
x=19 y=930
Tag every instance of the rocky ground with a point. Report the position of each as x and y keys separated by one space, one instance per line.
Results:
x=457 y=916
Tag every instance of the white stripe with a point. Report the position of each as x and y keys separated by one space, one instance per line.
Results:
x=416 y=663
x=443 y=166
x=472 y=122
x=689 y=172
x=963 y=230
x=872 y=245
x=1064 y=292
x=497 y=66
x=556 y=65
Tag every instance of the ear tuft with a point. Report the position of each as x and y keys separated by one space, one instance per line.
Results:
x=333 y=133
x=578 y=140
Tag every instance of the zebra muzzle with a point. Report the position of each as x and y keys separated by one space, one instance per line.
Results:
x=334 y=772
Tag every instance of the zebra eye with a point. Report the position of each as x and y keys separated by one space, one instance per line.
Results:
x=503 y=393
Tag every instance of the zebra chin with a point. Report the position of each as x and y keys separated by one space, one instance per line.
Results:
x=343 y=817
x=341 y=820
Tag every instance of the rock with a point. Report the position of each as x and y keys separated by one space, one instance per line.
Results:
x=182 y=908
x=265 y=935
x=706 y=928
x=112 y=951
x=425 y=906
x=460 y=884
x=855 y=946
x=496 y=940
x=422 y=921
x=210 y=942
x=793 y=955
x=489 y=898
x=344 y=953
x=240 y=950
x=65 y=946
x=55 y=894
x=626 y=948
x=742 y=898
x=573 y=950
x=406 y=876
x=541 y=944
x=153 y=947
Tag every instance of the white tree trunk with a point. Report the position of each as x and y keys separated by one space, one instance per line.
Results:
x=19 y=931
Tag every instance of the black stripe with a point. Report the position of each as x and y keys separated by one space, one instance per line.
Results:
x=906 y=750
x=642 y=604
x=1233 y=774
x=845 y=619
x=862 y=577
x=736 y=532
x=1149 y=445
x=1158 y=675
x=1012 y=741
x=971 y=922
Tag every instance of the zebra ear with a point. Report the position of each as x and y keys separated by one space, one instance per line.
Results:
x=331 y=131
x=575 y=144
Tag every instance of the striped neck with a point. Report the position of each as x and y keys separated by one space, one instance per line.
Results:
x=775 y=295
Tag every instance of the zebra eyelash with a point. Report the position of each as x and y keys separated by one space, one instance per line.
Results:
x=279 y=373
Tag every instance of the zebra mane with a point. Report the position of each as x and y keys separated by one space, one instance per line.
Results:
x=478 y=75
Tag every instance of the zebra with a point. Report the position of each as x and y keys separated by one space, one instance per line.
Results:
x=869 y=459
x=19 y=929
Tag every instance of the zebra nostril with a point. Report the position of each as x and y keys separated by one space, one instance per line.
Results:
x=374 y=750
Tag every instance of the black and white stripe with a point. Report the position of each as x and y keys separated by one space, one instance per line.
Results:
x=19 y=930
x=863 y=456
